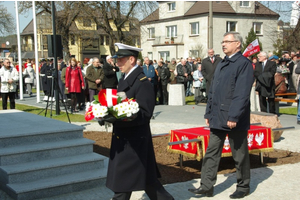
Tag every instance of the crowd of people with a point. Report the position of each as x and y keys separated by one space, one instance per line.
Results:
x=79 y=82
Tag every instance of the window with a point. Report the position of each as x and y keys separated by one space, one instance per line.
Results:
x=171 y=31
x=165 y=55
x=231 y=26
x=72 y=39
x=194 y=28
x=45 y=42
x=151 y=33
x=257 y=27
x=107 y=40
x=150 y=55
x=101 y=40
x=172 y=6
x=87 y=22
x=244 y=3
x=194 y=53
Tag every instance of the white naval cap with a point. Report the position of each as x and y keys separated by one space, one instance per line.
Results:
x=126 y=50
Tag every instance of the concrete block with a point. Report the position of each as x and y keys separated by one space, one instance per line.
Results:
x=176 y=95
x=34 y=171
x=31 y=153
x=57 y=185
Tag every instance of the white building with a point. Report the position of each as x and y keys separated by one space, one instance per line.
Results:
x=187 y=23
x=295 y=14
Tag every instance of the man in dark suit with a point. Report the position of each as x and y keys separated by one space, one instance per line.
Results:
x=192 y=67
x=110 y=77
x=265 y=84
x=164 y=75
x=182 y=74
x=228 y=112
x=132 y=164
x=209 y=65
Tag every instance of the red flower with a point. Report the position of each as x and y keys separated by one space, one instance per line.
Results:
x=108 y=97
x=89 y=114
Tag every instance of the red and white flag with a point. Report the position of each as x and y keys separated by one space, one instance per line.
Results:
x=252 y=48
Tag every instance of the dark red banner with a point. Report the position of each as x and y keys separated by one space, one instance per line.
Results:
x=260 y=139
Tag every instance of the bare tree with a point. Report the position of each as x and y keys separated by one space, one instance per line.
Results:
x=66 y=13
x=290 y=38
x=119 y=13
x=7 y=22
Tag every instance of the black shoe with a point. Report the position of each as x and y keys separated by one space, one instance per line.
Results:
x=208 y=193
x=298 y=122
x=238 y=194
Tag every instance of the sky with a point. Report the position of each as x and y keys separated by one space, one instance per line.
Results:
x=26 y=18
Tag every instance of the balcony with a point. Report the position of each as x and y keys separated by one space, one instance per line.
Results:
x=165 y=41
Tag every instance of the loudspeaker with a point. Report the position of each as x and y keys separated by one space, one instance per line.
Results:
x=59 y=48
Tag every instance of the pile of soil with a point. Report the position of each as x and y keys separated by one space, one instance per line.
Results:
x=168 y=163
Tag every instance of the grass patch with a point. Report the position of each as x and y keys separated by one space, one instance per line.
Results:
x=36 y=110
x=190 y=100
x=288 y=111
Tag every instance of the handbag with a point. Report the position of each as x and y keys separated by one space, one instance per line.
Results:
x=280 y=84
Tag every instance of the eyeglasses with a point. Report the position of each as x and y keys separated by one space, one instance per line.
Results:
x=228 y=42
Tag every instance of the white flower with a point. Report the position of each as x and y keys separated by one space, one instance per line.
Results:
x=99 y=111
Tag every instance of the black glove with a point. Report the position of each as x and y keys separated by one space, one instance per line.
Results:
x=108 y=118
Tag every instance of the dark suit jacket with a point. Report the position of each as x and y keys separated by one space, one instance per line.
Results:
x=229 y=94
x=192 y=68
x=208 y=69
x=110 y=79
x=132 y=163
x=265 y=82
x=180 y=78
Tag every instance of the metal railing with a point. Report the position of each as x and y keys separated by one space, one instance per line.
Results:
x=167 y=40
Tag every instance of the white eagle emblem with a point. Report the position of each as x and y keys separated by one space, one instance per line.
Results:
x=186 y=145
x=259 y=138
x=250 y=139
x=226 y=143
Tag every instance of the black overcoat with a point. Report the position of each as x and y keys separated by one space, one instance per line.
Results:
x=229 y=94
x=265 y=82
x=208 y=69
x=110 y=79
x=132 y=163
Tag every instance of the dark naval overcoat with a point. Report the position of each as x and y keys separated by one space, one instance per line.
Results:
x=132 y=163
x=228 y=98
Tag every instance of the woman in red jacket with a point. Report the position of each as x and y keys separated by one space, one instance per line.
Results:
x=74 y=83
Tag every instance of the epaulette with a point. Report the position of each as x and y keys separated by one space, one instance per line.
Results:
x=143 y=78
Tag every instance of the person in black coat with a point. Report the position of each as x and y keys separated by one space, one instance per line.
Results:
x=46 y=73
x=209 y=65
x=265 y=84
x=164 y=78
x=182 y=74
x=110 y=77
x=132 y=165
x=228 y=112
x=192 y=67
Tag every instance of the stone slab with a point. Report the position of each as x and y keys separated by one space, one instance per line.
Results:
x=176 y=95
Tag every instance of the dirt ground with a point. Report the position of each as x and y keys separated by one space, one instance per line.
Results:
x=168 y=163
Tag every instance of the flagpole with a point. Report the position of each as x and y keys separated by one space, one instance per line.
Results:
x=19 y=53
x=38 y=98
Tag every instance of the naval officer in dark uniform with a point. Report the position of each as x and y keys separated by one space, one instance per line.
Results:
x=132 y=165
x=228 y=112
